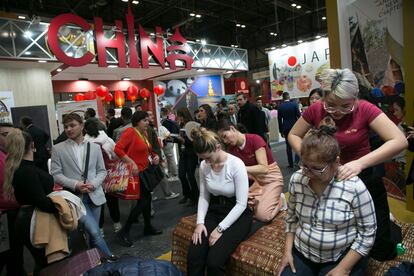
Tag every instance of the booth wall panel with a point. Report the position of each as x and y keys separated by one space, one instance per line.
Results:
x=30 y=87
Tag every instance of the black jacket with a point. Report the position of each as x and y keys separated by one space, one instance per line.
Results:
x=40 y=139
x=252 y=118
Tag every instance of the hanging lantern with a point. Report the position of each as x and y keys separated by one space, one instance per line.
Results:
x=102 y=91
x=90 y=95
x=144 y=93
x=119 y=98
x=79 y=97
x=108 y=98
x=132 y=93
x=159 y=90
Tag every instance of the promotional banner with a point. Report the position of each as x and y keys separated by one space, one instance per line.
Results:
x=6 y=102
x=297 y=69
x=376 y=36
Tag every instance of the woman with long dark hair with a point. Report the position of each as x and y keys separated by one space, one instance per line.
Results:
x=207 y=118
x=188 y=160
x=134 y=148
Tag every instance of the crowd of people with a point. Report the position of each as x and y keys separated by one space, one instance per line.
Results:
x=338 y=213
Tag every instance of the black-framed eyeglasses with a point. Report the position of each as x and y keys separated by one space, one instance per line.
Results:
x=312 y=170
x=342 y=110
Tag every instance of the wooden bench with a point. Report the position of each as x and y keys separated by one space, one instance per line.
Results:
x=261 y=253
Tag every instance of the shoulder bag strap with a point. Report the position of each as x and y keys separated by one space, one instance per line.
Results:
x=85 y=171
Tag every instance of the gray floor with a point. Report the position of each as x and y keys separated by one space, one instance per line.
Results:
x=168 y=213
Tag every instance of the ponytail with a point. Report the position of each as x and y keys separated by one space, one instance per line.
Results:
x=17 y=144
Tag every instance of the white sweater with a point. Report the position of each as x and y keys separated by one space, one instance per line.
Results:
x=105 y=141
x=231 y=181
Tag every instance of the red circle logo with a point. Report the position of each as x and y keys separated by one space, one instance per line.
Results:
x=292 y=61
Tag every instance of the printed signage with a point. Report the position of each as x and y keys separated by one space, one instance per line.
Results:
x=297 y=69
x=177 y=50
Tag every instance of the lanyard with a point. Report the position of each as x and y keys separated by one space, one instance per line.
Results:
x=144 y=139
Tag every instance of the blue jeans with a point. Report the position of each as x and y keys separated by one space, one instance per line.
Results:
x=305 y=266
x=89 y=222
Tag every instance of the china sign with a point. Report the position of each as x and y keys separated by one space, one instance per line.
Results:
x=177 y=50
x=297 y=69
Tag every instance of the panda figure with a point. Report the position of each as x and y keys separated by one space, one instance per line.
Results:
x=175 y=88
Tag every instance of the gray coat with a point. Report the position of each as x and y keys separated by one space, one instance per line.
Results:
x=66 y=171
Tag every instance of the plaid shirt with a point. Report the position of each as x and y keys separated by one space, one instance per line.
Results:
x=326 y=227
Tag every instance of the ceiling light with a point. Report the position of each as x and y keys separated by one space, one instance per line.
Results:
x=198 y=16
x=284 y=45
x=203 y=42
x=230 y=72
x=300 y=41
x=200 y=70
x=273 y=48
x=112 y=66
x=27 y=53
x=236 y=46
x=275 y=34
x=21 y=17
x=59 y=70
x=272 y=33
x=293 y=5
x=237 y=25
x=28 y=34
x=192 y=14
x=197 y=40
x=135 y=2
x=318 y=36
x=42 y=61
x=257 y=81
x=124 y=0
x=243 y=26
x=299 y=6
x=126 y=79
x=323 y=17
x=232 y=45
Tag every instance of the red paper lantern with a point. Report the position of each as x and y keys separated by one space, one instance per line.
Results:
x=132 y=93
x=79 y=97
x=90 y=95
x=144 y=93
x=102 y=91
x=119 y=98
x=159 y=89
x=108 y=98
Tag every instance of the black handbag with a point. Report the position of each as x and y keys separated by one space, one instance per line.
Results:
x=151 y=177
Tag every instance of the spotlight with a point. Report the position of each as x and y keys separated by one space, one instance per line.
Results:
x=272 y=33
x=237 y=25
x=200 y=70
x=198 y=16
x=126 y=79
x=257 y=81
x=42 y=61
x=323 y=17
x=192 y=14
x=203 y=42
x=300 y=41
x=318 y=36
x=243 y=26
x=112 y=66
x=135 y=2
x=293 y=5
x=59 y=70
x=284 y=45
x=28 y=34
x=298 y=7
x=27 y=53
x=21 y=17
x=273 y=48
